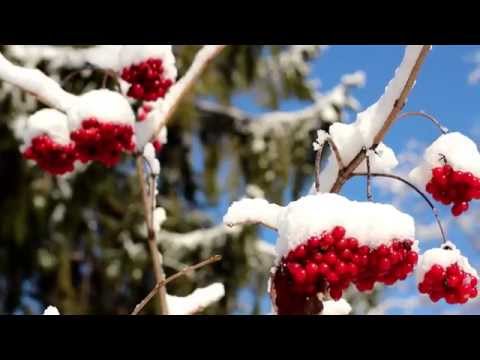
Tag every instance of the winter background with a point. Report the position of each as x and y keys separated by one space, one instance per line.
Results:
x=446 y=88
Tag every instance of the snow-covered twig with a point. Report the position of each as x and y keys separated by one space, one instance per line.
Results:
x=36 y=83
x=253 y=211
x=197 y=301
x=203 y=58
x=164 y=282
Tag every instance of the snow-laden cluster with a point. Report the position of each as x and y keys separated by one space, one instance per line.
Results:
x=373 y=224
x=455 y=149
x=49 y=122
x=253 y=211
x=445 y=256
x=103 y=105
x=136 y=54
x=336 y=308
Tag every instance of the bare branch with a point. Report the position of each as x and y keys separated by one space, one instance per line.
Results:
x=437 y=123
x=152 y=241
x=163 y=283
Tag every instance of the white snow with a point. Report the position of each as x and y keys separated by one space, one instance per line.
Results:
x=322 y=137
x=145 y=130
x=46 y=122
x=104 y=105
x=51 y=310
x=341 y=307
x=196 y=301
x=460 y=152
x=253 y=211
x=159 y=217
x=135 y=54
x=151 y=159
x=37 y=83
x=444 y=258
x=372 y=224
x=352 y=138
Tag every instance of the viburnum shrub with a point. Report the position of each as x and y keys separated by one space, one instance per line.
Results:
x=327 y=243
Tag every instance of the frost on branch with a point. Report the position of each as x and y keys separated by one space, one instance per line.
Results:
x=253 y=211
x=446 y=273
x=151 y=159
x=450 y=171
x=197 y=301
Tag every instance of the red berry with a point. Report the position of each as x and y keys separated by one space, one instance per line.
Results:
x=338 y=232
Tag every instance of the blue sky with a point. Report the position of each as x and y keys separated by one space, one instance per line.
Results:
x=442 y=90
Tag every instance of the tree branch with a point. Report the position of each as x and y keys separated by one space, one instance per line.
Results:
x=35 y=82
x=378 y=138
x=152 y=236
x=161 y=284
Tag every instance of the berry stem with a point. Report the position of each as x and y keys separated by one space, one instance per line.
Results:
x=425 y=115
x=406 y=182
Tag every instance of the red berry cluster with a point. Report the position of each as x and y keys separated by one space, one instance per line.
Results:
x=147 y=80
x=454 y=187
x=103 y=142
x=50 y=156
x=143 y=112
x=452 y=284
x=332 y=261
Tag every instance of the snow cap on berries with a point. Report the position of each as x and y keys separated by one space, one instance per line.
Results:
x=103 y=105
x=460 y=152
x=49 y=122
x=373 y=224
x=445 y=256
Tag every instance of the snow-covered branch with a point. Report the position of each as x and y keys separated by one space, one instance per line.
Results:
x=253 y=211
x=35 y=82
x=371 y=125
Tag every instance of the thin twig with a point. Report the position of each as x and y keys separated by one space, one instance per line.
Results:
x=397 y=108
x=163 y=283
x=437 y=123
x=178 y=92
x=152 y=236
x=406 y=182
